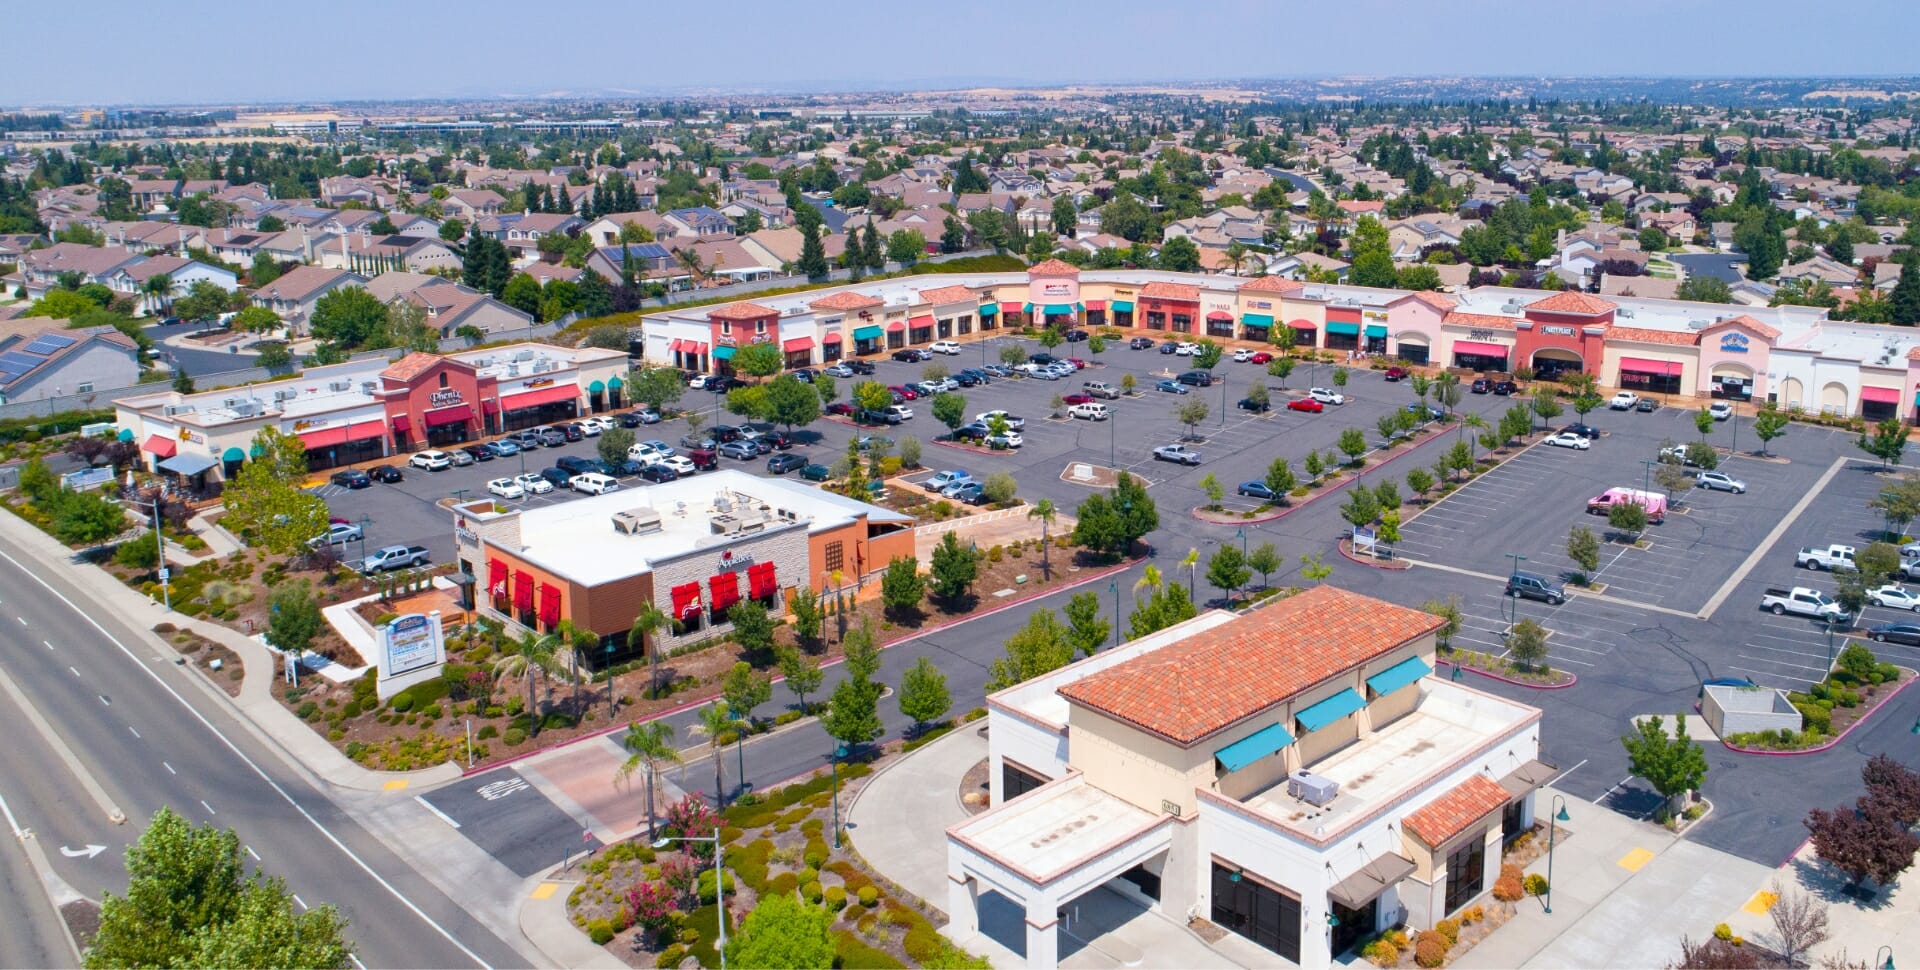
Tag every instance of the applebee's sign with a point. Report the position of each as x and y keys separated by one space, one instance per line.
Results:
x=1056 y=289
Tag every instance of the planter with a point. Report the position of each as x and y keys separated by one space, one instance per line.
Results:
x=1346 y=549
x=1552 y=680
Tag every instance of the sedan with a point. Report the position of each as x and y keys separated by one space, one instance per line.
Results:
x=1583 y=430
x=1257 y=490
x=1011 y=439
x=385 y=473
x=1171 y=387
x=1257 y=407
x=1504 y=388
x=681 y=466
x=504 y=448
x=1140 y=343
x=658 y=473
x=461 y=457
x=1306 y=404
x=1395 y=373
x=351 y=478
x=838 y=370
x=533 y=483
x=1076 y=335
x=741 y=450
x=1722 y=482
x=816 y=473
x=478 y=452
x=507 y=488
x=1427 y=412
x=1904 y=631
x=1325 y=396
x=433 y=461
x=1567 y=439
x=1259 y=357
x=910 y=355
x=1647 y=405
x=337 y=533
x=872 y=441
x=972 y=493
x=1895 y=597
x=595 y=425
x=840 y=407
x=782 y=464
x=1073 y=399
x=905 y=392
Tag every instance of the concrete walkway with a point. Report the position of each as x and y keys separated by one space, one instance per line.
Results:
x=1856 y=930
x=899 y=819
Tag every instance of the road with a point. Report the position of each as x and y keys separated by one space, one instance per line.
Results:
x=34 y=937
x=149 y=737
x=194 y=360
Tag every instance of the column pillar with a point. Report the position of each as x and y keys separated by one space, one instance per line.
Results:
x=1043 y=940
x=963 y=906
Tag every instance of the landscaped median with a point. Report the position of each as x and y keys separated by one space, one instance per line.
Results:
x=1859 y=684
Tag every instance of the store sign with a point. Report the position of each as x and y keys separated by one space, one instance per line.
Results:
x=760 y=338
x=538 y=382
x=1056 y=289
x=409 y=645
x=301 y=427
x=466 y=536
x=1558 y=331
x=1733 y=343
x=1259 y=305
x=445 y=397
x=1375 y=315
x=732 y=560
x=1123 y=293
x=1483 y=335
x=186 y=435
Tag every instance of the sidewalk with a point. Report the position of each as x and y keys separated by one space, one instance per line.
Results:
x=1624 y=893
x=899 y=819
x=1858 y=929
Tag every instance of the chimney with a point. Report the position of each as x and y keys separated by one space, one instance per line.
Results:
x=306 y=245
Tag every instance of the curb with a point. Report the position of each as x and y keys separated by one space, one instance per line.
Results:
x=1347 y=478
x=1402 y=564
x=1490 y=675
x=1842 y=736
x=1256 y=520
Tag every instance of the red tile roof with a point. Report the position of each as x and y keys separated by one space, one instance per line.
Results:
x=1749 y=323
x=1171 y=291
x=1053 y=267
x=947 y=294
x=1438 y=301
x=845 y=300
x=1569 y=301
x=1484 y=321
x=741 y=311
x=1674 y=337
x=1193 y=687
x=1271 y=284
x=1452 y=813
x=411 y=366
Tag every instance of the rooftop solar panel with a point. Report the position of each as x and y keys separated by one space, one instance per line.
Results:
x=47 y=343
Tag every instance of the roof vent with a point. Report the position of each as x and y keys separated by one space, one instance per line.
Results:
x=638 y=521
x=1696 y=324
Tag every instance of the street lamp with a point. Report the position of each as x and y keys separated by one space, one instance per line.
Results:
x=1888 y=963
x=1513 y=600
x=1223 y=401
x=740 y=749
x=1646 y=483
x=1114 y=588
x=839 y=751
x=719 y=883
x=160 y=548
x=1560 y=816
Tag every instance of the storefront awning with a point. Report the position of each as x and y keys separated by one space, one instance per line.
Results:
x=402 y=424
x=545 y=395
x=453 y=415
x=1303 y=325
x=1399 y=675
x=896 y=326
x=1350 y=329
x=924 y=320
x=1059 y=309
x=1641 y=365
x=1123 y=306
x=160 y=445
x=867 y=333
x=1332 y=709
x=1027 y=309
x=1220 y=316
x=832 y=338
x=1479 y=349
x=594 y=388
x=795 y=344
x=233 y=454
x=1096 y=304
x=187 y=464
x=1528 y=777
x=1376 y=330
x=522 y=592
x=1877 y=395
x=686 y=601
x=549 y=605
x=126 y=434
x=989 y=309
x=496 y=578
x=1261 y=320
x=723 y=352
x=614 y=383
x=761 y=581
x=676 y=345
x=1373 y=879
x=725 y=589
x=1253 y=747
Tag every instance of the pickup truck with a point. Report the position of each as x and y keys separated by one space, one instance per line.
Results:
x=1178 y=454
x=1801 y=601
x=1828 y=558
x=394 y=557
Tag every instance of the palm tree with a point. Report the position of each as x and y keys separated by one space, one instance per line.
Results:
x=1192 y=562
x=715 y=719
x=530 y=655
x=649 y=619
x=1044 y=510
x=1236 y=256
x=1150 y=580
x=158 y=288
x=1475 y=422
x=650 y=746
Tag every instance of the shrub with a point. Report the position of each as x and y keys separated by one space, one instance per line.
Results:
x=996 y=553
x=671 y=956
x=487 y=731
x=812 y=891
x=783 y=884
x=1429 y=952
x=922 y=943
x=600 y=931
x=1381 y=953
x=836 y=897
x=1449 y=928
x=1536 y=884
x=809 y=874
x=816 y=855
x=307 y=711
x=1723 y=933
x=1507 y=889
x=402 y=702
x=515 y=737
x=1472 y=915
x=868 y=896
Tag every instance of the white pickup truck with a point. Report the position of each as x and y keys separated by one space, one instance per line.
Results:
x=1801 y=601
x=394 y=557
x=1828 y=558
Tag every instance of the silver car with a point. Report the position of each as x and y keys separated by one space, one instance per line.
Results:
x=1721 y=482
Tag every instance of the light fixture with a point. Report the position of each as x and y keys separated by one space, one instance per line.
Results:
x=1563 y=817
x=1332 y=920
x=1916 y=726
x=1234 y=877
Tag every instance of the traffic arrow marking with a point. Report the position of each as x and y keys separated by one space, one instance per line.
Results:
x=89 y=852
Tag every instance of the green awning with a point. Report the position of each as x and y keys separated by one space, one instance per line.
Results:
x=1060 y=309
x=596 y=387
x=989 y=309
x=722 y=352
x=867 y=333
x=126 y=434
x=1256 y=319
x=1399 y=675
x=1123 y=306
x=1253 y=747
x=1350 y=329
x=1376 y=330
x=233 y=454
x=615 y=383
x=1330 y=710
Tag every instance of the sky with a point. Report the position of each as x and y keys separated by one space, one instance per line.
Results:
x=200 y=51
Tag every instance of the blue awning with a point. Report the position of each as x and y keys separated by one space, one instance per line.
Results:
x=1257 y=319
x=723 y=352
x=1376 y=330
x=1253 y=747
x=233 y=454
x=1027 y=309
x=1058 y=309
x=187 y=463
x=1330 y=710
x=989 y=309
x=1123 y=306
x=126 y=434
x=1350 y=329
x=1399 y=675
x=866 y=333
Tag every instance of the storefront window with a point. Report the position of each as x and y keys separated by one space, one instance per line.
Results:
x=1123 y=318
x=346 y=453
x=1304 y=337
x=1478 y=362
x=896 y=339
x=945 y=328
x=1375 y=345
x=1220 y=328
x=1733 y=388
x=1466 y=871
x=830 y=351
x=867 y=346
x=451 y=433
x=1256 y=911
x=965 y=325
x=520 y=418
x=1182 y=323
x=1413 y=353
x=1250 y=332
x=1879 y=410
x=1342 y=341
x=1156 y=320
x=799 y=358
x=1096 y=318
x=1550 y=368
x=1641 y=382
x=920 y=335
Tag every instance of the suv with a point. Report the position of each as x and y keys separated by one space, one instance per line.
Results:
x=593 y=483
x=432 y=461
x=947 y=347
x=1090 y=411
x=1102 y=389
x=1197 y=378
x=1536 y=587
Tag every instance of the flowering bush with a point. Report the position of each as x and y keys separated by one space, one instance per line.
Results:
x=680 y=875
x=651 y=904
x=691 y=816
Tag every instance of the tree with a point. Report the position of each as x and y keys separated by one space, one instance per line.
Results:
x=1420 y=482
x=1862 y=843
x=1314 y=464
x=1111 y=524
x=1180 y=255
x=1045 y=511
x=714 y=720
x=901 y=586
x=752 y=629
x=745 y=689
x=871 y=396
x=1448 y=610
x=1546 y=407
x=1279 y=367
x=1191 y=413
x=1671 y=763
x=1888 y=442
x=1799 y=922
x=1280 y=479
x=649 y=745
x=1209 y=356
x=1215 y=491
x=923 y=694
x=1704 y=289
x=1583 y=547
x=802 y=675
x=264 y=498
x=205 y=300
x=1630 y=518
x=953 y=235
x=906 y=246
x=1672 y=478
x=950 y=409
x=1041 y=646
x=190 y=903
x=953 y=569
x=813 y=256
x=295 y=619
x=613 y=444
x=1353 y=442
x=1527 y=642
x=1086 y=629
x=1312 y=568
x=524 y=658
x=790 y=401
x=256 y=319
x=349 y=317
x=1769 y=424
x=1893 y=789
x=1227 y=569
x=1065 y=216
x=1905 y=299
x=783 y=933
x=1340 y=376
x=852 y=718
x=656 y=387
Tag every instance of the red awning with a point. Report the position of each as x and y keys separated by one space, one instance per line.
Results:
x=922 y=321
x=496 y=578
x=490 y=405
x=549 y=606
x=1220 y=316
x=160 y=445
x=675 y=344
x=1640 y=365
x=316 y=440
x=1478 y=349
x=896 y=327
x=546 y=395
x=1343 y=315
x=686 y=601
x=1302 y=325
x=760 y=581
x=403 y=424
x=1878 y=395
x=832 y=338
x=726 y=591
x=797 y=343
x=1096 y=304
x=522 y=592
x=367 y=429
x=694 y=347
x=453 y=415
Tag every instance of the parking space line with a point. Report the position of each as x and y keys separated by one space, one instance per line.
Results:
x=1780 y=528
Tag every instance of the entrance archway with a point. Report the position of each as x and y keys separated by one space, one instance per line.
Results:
x=1550 y=362
x=1413 y=348
x=1833 y=398
x=1733 y=382
x=1793 y=393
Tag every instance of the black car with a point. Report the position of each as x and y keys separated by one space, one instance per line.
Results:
x=1536 y=587
x=1586 y=431
x=723 y=433
x=659 y=473
x=1076 y=335
x=557 y=476
x=1647 y=405
x=965 y=379
x=629 y=419
x=971 y=432
x=575 y=465
x=1901 y=631
x=782 y=464
x=721 y=385
x=479 y=452
x=1140 y=343
x=1504 y=388
x=385 y=473
x=1257 y=407
x=351 y=478
x=1043 y=359
x=1168 y=347
x=1197 y=378
x=629 y=468
x=1481 y=386
x=778 y=439
x=861 y=367
x=910 y=355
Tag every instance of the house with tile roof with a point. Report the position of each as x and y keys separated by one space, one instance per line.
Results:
x=295 y=293
x=1297 y=775
x=54 y=361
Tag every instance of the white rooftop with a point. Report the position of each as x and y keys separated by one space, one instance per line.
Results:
x=1055 y=829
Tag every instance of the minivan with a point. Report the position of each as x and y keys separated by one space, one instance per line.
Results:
x=1197 y=378
x=593 y=483
x=1536 y=587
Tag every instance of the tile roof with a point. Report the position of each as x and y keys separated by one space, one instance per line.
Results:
x=1452 y=813
x=1171 y=291
x=1674 y=337
x=845 y=300
x=1438 y=301
x=1748 y=322
x=411 y=366
x=742 y=311
x=1484 y=321
x=1569 y=301
x=1196 y=686
x=1053 y=267
x=947 y=294
x=1271 y=284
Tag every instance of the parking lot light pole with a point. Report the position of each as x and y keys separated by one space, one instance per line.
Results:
x=1223 y=402
x=1886 y=964
x=1646 y=484
x=1513 y=574
x=839 y=751
x=1561 y=816
x=1114 y=588
x=719 y=882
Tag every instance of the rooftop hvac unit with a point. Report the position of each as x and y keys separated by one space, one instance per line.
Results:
x=638 y=521
x=1312 y=789
x=339 y=385
x=1696 y=324
x=285 y=395
x=366 y=387
x=734 y=523
x=523 y=355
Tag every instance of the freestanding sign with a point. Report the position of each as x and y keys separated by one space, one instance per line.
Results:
x=411 y=649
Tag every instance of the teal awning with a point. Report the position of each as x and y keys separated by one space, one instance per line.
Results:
x=1376 y=330
x=126 y=434
x=596 y=387
x=1350 y=329
x=1027 y=309
x=256 y=451
x=1256 y=319
x=1060 y=309
x=1123 y=306
x=721 y=352
x=1399 y=675
x=867 y=333
x=989 y=309
x=233 y=454
x=1330 y=710
x=615 y=383
x=1253 y=747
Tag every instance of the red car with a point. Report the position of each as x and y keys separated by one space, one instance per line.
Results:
x=905 y=392
x=1077 y=363
x=839 y=407
x=1306 y=404
x=1259 y=357
x=1396 y=373
x=1073 y=399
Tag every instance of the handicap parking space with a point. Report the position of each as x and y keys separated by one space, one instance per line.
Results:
x=511 y=819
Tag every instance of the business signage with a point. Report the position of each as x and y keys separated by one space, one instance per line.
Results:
x=1733 y=343
x=1376 y=315
x=1483 y=335
x=730 y=560
x=1558 y=331
x=186 y=434
x=445 y=397
x=409 y=643
x=538 y=382
x=1056 y=289
x=301 y=427
x=1259 y=305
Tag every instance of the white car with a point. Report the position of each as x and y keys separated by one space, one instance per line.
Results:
x=1011 y=439
x=697 y=382
x=1242 y=355
x=592 y=483
x=648 y=452
x=433 y=461
x=1013 y=421
x=532 y=484
x=947 y=347
x=681 y=466
x=1623 y=401
x=901 y=411
x=1567 y=439
x=595 y=424
x=1895 y=598
x=1187 y=348
x=1720 y=410
x=1722 y=482
x=507 y=488
x=1325 y=396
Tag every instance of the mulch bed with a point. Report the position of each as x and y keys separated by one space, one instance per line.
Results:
x=1489 y=664
x=976 y=787
x=1346 y=549
x=82 y=917
x=202 y=654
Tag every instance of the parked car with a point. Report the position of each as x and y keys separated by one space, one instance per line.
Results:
x=504 y=448
x=461 y=458
x=1257 y=490
x=942 y=479
x=1196 y=378
x=841 y=369
x=338 y=533
x=507 y=488
x=1504 y=388
x=1895 y=597
x=638 y=417
x=593 y=483
x=1014 y=421
x=1089 y=411
x=970 y=377
x=385 y=473
x=1257 y=407
x=1567 y=439
x=883 y=416
x=431 y=460
x=595 y=425
x=528 y=439
x=1101 y=389
x=704 y=459
x=1242 y=355
x=740 y=450
x=1010 y=439
x=1583 y=430
x=1075 y=363
x=1647 y=405
x=657 y=473
x=871 y=441
x=1534 y=586
x=1169 y=348
x=861 y=367
x=1481 y=385
x=628 y=468
x=947 y=347
x=904 y=391
x=1075 y=335
x=1306 y=404
x=351 y=478
x=997 y=370
x=840 y=408
x=1171 y=387
x=1395 y=373
x=683 y=465
x=575 y=464
x=784 y=463
x=572 y=431
x=803 y=374
x=1187 y=348
x=1178 y=454
x=911 y=355
x=1623 y=401
x=1042 y=358
x=1899 y=631
x=1325 y=396
x=1720 y=410
x=478 y=452
x=816 y=473
x=724 y=433
x=533 y=483
x=552 y=438
x=394 y=557
x=975 y=431
x=1721 y=482
x=1427 y=412
x=1140 y=343
x=972 y=493
x=558 y=477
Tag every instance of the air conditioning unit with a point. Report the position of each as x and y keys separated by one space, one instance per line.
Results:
x=340 y=386
x=638 y=521
x=366 y=387
x=1312 y=789
x=285 y=395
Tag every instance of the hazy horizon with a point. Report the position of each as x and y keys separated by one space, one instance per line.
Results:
x=360 y=50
